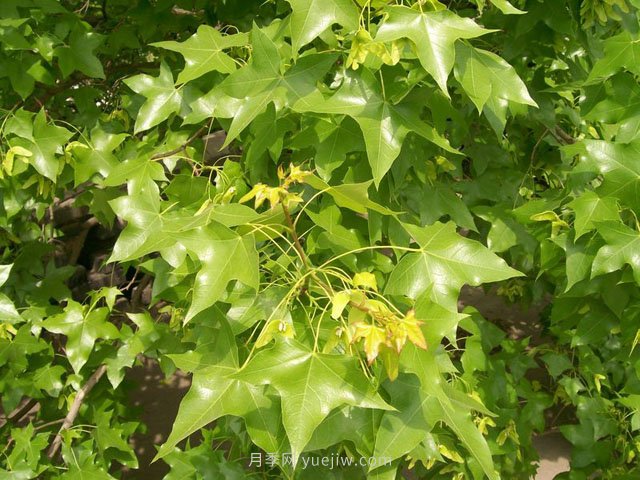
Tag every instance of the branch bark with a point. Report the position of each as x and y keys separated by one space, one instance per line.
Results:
x=562 y=136
x=75 y=409
x=190 y=140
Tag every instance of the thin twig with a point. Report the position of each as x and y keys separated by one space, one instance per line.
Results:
x=294 y=236
x=75 y=409
x=136 y=296
x=48 y=424
x=19 y=412
x=181 y=148
x=298 y=246
x=181 y=11
x=563 y=136
x=79 y=241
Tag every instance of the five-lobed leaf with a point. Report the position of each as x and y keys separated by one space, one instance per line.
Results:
x=215 y=393
x=623 y=247
x=163 y=98
x=261 y=82
x=80 y=54
x=434 y=35
x=82 y=329
x=590 y=208
x=310 y=18
x=203 y=52
x=618 y=163
x=224 y=256
x=310 y=385
x=490 y=82
x=446 y=261
x=451 y=406
x=48 y=140
x=383 y=123
x=620 y=51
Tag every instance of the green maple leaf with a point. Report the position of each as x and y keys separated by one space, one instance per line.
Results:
x=214 y=393
x=590 y=208
x=309 y=18
x=142 y=234
x=163 y=98
x=79 y=54
x=82 y=328
x=357 y=425
x=97 y=156
x=620 y=52
x=438 y=321
x=445 y=263
x=490 y=82
x=5 y=270
x=383 y=123
x=261 y=81
x=623 y=247
x=133 y=343
x=434 y=35
x=438 y=200
x=353 y=196
x=47 y=141
x=139 y=173
x=224 y=256
x=14 y=352
x=310 y=385
x=618 y=163
x=402 y=430
x=83 y=465
x=332 y=138
x=49 y=379
x=451 y=405
x=580 y=254
x=203 y=52
x=8 y=311
x=505 y=7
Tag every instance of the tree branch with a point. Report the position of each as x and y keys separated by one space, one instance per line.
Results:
x=328 y=290
x=294 y=236
x=75 y=409
x=562 y=136
x=19 y=412
x=190 y=140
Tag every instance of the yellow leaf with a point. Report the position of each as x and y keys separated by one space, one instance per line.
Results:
x=414 y=332
x=365 y=279
x=483 y=423
x=549 y=216
x=296 y=174
x=252 y=193
x=339 y=301
x=450 y=454
x=373 y=337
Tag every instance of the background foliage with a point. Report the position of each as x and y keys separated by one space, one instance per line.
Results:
x=285 y=198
